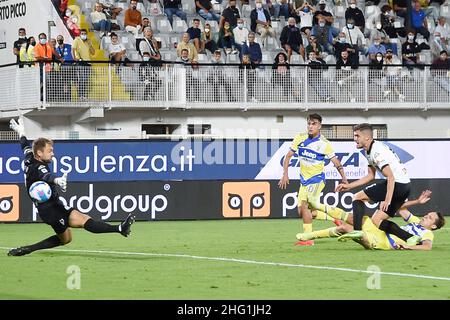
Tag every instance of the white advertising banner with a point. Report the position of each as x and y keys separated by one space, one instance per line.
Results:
x=35 y=16
x=422 y=159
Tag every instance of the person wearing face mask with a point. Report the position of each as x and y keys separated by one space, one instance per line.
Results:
x=261 y=23
x=324 y=35
x=65 y=51
x=354 y=13
x=410 y=50
x=216 y=80
x=230 y=14
x=341 y=44
x=208 y=40
x=375 y=48
x=44 y=53
x=133 y=19
x=82 y=51
x=240 y=34
x=388 y=23
x=376 y=64
x=393 y=72
x=291 y=39
x=205 y=10
x=18 y=44
x=354 y=36
x=306 y=12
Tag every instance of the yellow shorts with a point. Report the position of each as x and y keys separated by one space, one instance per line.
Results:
x=310 y=193
x=376 y=238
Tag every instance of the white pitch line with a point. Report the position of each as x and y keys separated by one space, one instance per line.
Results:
x=278 y=264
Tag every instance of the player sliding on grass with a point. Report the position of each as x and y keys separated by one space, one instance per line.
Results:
x=312 y=149
x=53 y=212
x=374 y=238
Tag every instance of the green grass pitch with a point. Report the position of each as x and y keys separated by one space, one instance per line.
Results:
x=179 y=260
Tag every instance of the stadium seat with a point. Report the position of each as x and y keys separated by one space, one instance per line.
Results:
x=246 y=9
x=179 y=26
x=202 y=58
x=445 y=10
x=232 y=58
x=188 y=6
x=297 y=59
x=214 y=25
x=154 y=9
x=339 y=11
x=164 y=26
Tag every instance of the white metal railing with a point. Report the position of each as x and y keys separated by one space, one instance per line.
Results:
x=224 y=87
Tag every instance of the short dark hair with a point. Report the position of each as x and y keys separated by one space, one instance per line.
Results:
x=440 y=221
x=196 y=19
x=42 y=34
x=41 y=143
x=443 y=51
x=81 y=30
x=184 y=50
x=314 y=116
x=22 y=29
x=363 y=127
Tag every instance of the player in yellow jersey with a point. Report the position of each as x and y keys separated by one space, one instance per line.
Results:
x=374 y=238
x=313 y=149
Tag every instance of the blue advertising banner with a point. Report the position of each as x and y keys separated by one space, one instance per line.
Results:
x=147 y=160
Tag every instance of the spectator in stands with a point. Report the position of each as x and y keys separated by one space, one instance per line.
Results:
x=410 y=50
x=26 y=54
x=429 y=10
x=216 y=79
x=148 y=75
x=192 y=81
x=240 y=34
x=322 y=13
x=375 y=48
x=116 y=50
x=306 y=13
x=314 y=46
x=248 y=66
x=356 y=14
x=149 y=45
x=207 y=40
x=186 y=44
x=440 y=68
x=173 y=7
x=400 y=7
x=315 y=77
x=252 y=49
x=205 y=10
x=72 y=19
x=442 y=35
x=133 y=19
x=18 y=44
x=260 y=22
x=347 y=77
x=99 y=20
x=388 y=23
x=418 y=20
x=61 y=6
x=230 y=14
x=393 y=72
x=195 y=34
x=354 y=36
x=379 y=32
x=324 y=35
x=226 y=39
x=44 y=53
x=64 y=50
x=277 y=8
x=82 y=51
x=111 y=10
x=341 y=44
x=281 y=75
x=376 y=61
x=140 y=36
x=291 y=39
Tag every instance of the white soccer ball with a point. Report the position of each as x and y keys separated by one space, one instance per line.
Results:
x=40 y=191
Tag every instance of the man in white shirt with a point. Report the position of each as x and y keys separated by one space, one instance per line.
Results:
x=99 y=20
x=240 y=34
x=391 y=193
x=354 y=36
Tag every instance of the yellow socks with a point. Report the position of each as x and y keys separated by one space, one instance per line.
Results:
x=307 y=227
x=334 y=212
x=320 y=215
x=326 y=233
